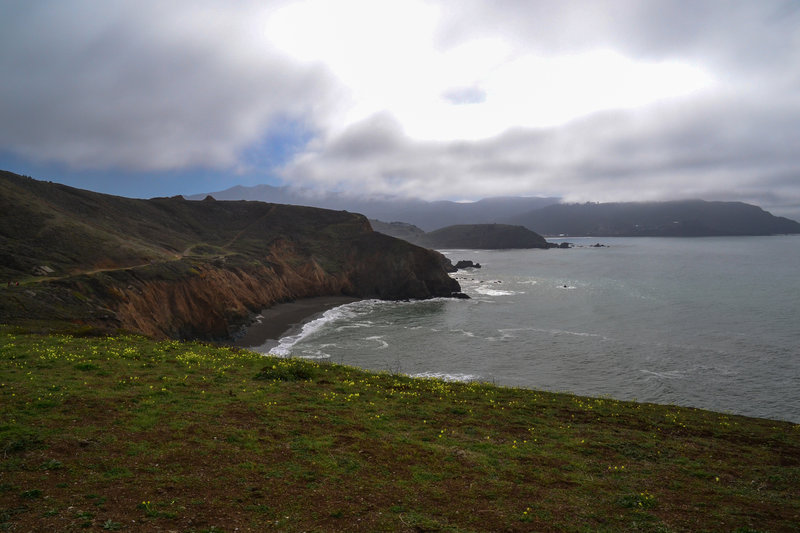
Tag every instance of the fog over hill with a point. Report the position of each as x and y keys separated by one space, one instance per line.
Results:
x=473 y=236
x=688 y=218
x=428 y=216
x=546 y=216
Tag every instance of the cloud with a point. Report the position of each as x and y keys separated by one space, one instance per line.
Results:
x=738 y=35
x=459 y=99
x=143 y=85
x=732 y=139
x=721 y=150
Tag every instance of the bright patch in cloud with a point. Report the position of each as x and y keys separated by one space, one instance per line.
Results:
x=586 y=99
x=384 y=55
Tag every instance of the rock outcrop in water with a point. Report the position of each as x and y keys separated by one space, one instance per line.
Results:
x=466 y=263
x=168 y=267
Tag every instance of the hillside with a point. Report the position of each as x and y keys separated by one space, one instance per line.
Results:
x=123 y=433
x=427 y=215
x=400 y=230
x=691 y=218
x=172 y=267
x=471 y=236
x=484 y=236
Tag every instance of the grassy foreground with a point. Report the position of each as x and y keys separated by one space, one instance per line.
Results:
x=124 y=433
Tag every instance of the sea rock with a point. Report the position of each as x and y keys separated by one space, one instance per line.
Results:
x=467 y=264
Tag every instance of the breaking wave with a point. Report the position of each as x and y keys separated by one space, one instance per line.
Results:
x=446 y=377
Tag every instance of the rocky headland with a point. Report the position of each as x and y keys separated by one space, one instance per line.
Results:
x=169 y=267
x=471 y=236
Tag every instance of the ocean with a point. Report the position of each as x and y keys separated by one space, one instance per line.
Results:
x=712 y=323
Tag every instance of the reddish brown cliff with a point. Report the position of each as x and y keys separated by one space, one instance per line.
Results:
x=172 y=268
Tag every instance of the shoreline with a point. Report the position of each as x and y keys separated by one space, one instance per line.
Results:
x=275 y=322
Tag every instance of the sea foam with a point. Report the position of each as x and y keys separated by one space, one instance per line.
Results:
x=445 y=376
x=285 y=344
x=486 y=291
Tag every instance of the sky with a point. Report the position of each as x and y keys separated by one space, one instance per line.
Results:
x=587 y=100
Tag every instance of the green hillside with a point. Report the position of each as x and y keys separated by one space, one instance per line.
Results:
x=74 y=230
x=126 y=434
x=178 y=268
x=472 y=236
x=688 y=218
x=485 y=236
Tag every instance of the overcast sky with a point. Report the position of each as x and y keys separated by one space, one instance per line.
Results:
x=589 y=100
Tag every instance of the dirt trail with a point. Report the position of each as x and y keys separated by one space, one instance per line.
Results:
x=175 y=257
x=40 y=279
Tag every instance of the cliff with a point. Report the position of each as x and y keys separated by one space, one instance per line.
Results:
x=168 y=267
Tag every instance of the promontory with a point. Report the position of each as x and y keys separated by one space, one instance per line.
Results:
x=170 y=267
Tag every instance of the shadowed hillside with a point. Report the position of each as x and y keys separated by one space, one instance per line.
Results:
x=472 y=236
x=690 y=218
x=171 y=267
x=427 y=215
x=401 y=230
x=485 y=236
x=686 y=218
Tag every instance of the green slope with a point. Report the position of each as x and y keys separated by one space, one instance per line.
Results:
x=127 y=434
x=172 y=267
x=689 y=218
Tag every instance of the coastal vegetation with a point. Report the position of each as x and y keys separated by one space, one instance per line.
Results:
x=685 y=218
x=427 y=215
x=471 y=236
x=103 y=429
x=169 y=267
x=128 y=433
x=546 y=216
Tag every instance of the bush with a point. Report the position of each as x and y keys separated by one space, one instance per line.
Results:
x=287 y=370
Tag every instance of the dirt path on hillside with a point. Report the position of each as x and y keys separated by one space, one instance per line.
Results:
x=40 y=279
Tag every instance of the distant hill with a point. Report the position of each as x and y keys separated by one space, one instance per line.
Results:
x=690 y=218
x=171 y=267
x=471 y=236
x=400 y=230
x=542 y=215
x=427 y=215
x=485 y=236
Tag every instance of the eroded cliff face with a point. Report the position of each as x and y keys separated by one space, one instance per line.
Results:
x=168 y=267
x=212 y=299
x=215 y=301
x=388 y=268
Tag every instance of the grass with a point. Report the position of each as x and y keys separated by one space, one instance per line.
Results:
x=202 y=266
x=127 y=434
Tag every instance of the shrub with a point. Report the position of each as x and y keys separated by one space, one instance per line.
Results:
x=287 y=370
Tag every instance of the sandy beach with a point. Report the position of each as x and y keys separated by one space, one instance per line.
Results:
x=283 y=319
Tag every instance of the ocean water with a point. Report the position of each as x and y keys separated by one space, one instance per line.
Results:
x=704 y=322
